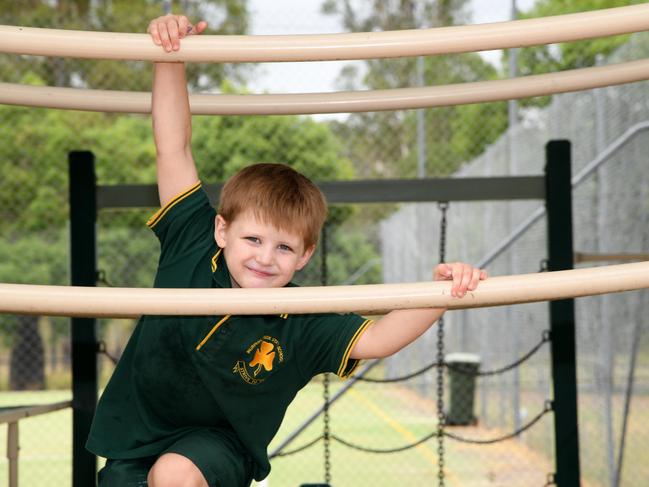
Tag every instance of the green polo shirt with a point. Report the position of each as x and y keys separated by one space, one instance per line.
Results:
x=235 y=373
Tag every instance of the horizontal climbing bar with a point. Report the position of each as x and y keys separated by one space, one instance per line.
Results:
x=340 y=102
x=370 y=299
x=329 y=47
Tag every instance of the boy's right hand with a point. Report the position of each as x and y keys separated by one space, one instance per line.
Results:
x=166 y=31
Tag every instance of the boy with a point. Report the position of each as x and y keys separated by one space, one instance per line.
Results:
x=195 y=401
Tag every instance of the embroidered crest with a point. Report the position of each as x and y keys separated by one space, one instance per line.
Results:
x=262 y=356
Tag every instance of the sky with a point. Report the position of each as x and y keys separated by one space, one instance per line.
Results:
x=304 y=17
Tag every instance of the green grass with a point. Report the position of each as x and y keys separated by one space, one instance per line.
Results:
x=370 y=415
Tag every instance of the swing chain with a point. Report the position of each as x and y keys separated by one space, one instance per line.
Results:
x=326 y=433
x=441 y=417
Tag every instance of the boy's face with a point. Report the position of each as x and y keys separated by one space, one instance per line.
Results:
x=257 y=253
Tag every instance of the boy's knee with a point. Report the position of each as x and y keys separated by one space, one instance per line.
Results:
x=173 y=470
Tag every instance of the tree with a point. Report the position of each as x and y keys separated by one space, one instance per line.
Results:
x=571 y=55
x=383 y=144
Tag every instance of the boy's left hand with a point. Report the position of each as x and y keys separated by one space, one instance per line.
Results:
x=168 y=30
x=464 y=276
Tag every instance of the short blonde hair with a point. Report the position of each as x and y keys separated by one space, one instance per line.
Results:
x=276 y=194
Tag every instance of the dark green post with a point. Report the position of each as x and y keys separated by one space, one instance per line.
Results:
x=83 y=263
x=562 y=314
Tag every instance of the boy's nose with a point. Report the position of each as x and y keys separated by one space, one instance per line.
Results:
x=265 y=255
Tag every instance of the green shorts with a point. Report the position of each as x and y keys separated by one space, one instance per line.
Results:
x=218 y=455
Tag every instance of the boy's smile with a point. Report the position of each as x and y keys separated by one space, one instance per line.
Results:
x=258 y=254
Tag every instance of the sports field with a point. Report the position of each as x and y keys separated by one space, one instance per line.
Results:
x=367 y=415
x=377 y=417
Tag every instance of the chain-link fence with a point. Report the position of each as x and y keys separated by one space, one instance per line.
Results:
x=366 y=244
x=610 y=217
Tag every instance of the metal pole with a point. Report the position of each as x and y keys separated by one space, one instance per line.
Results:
x=12 y=453
x=635 y=345
x=512 y=106
x=421 y=126
x=83 y=216
x=515 y=338
x=607 y=350
x=562 y=314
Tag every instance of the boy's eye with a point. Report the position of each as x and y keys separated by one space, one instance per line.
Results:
x=252 y=239
x=285 y=247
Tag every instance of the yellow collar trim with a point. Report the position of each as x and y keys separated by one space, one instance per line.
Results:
x=214 y=259
x=214 y=328
x=215 y=266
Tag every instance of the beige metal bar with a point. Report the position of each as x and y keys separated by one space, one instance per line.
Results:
x=12 y=453
x=590 y=257
x=587 y=257
x=341 y=102
x=12 y=416
x=327 y=47
x=495 y=291
x=15 y=414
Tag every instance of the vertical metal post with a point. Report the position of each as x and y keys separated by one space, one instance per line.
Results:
x=512 y=111
x=562 y=314
x=602 y=212
x=12 y=452
x=421 y=125
x=512 y=105
x=83 y=272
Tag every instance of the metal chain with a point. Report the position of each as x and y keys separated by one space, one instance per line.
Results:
x=441 y=416
x=543 y=265
x=102 y=279
x=326 y=431
x=544 y=339
x=547 y=408
x=298 y=449
x=324 y=278
x=102 y=349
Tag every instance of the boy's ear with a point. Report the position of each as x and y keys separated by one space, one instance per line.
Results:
x=220 y=226
x=304 y=260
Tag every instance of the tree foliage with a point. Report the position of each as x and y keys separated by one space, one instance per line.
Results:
x=570 y=55
x=223 y=16
x=384 y=144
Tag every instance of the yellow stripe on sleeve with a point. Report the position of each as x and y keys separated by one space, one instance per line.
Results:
x=163 y=211
x=350 y=347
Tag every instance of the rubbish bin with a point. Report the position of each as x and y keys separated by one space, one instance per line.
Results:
x=462 y=369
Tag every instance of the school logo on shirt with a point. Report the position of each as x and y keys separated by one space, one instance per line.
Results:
x=262 y=356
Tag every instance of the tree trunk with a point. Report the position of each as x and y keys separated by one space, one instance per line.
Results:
x=27 y=357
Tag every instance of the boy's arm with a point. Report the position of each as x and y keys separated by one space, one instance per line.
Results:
x=170 y=109
x=399 y=328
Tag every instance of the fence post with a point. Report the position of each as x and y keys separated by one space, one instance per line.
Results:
x=562 y=314
x=83 y=263
x=12 y=452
